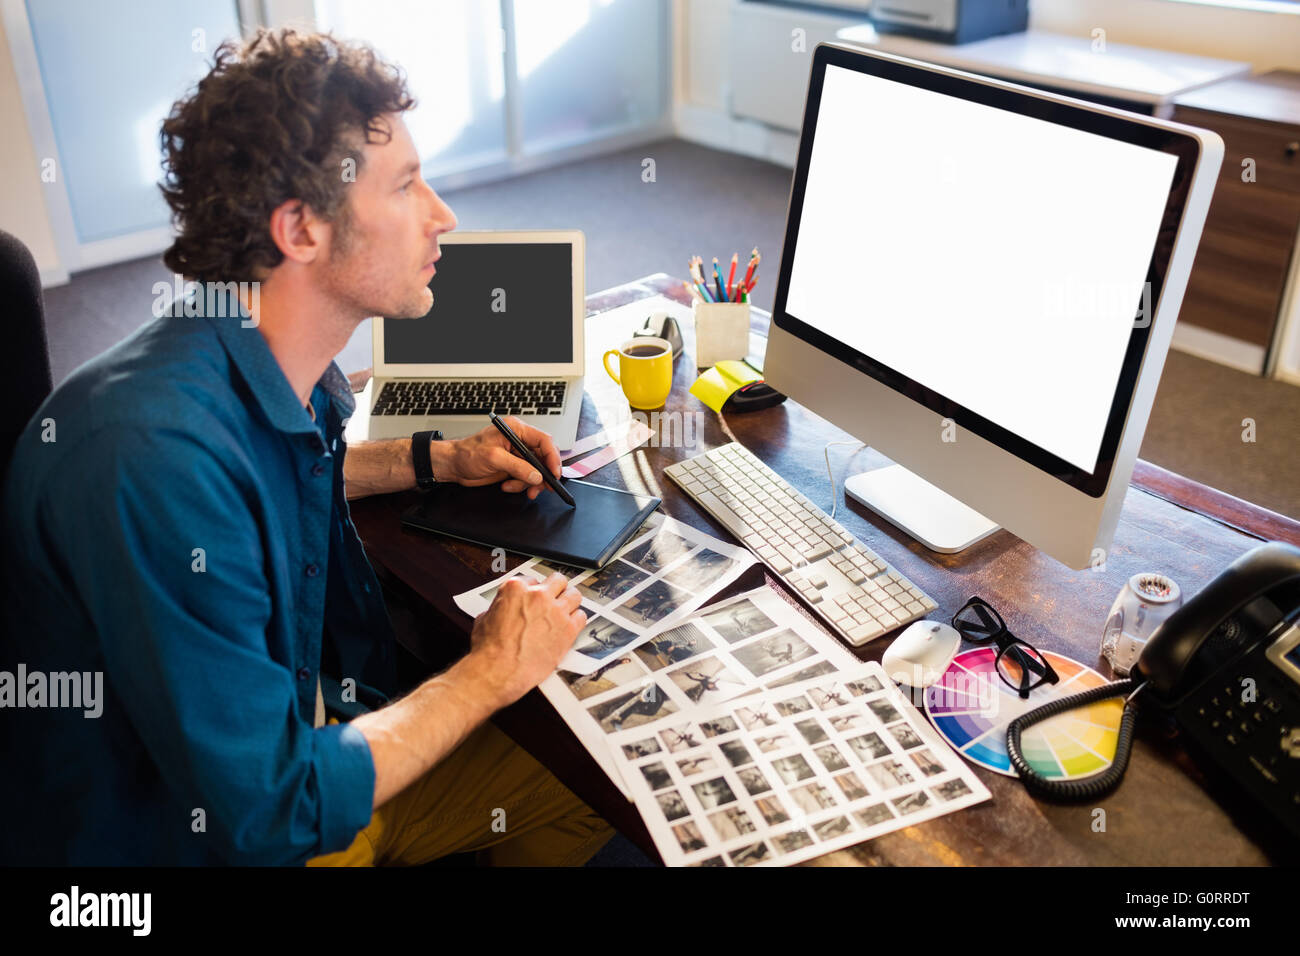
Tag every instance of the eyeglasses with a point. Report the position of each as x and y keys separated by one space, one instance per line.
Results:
x=1019 y=664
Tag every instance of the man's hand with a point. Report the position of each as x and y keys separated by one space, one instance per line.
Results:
x=487 y=458
x=518 y=641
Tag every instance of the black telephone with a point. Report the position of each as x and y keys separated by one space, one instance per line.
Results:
x=1226 y=667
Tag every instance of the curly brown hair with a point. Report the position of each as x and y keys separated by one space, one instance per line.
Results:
x=274 y=120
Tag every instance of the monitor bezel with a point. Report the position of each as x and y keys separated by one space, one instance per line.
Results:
x=1027 y=102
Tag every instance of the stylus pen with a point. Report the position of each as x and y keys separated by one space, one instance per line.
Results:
x=527 y=455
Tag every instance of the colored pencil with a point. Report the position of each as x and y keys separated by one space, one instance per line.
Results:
x=731 y=276
x=697 y=278
x=754 y=257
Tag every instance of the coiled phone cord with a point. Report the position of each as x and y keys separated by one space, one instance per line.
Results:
x=1089 y=788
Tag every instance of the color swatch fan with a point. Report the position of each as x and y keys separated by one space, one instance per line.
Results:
x=970 y=705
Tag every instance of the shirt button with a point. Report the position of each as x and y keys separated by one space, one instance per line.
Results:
x=304 y=673
x=318 y=469
x=312 y=570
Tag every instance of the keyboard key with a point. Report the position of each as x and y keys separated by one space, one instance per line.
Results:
x=865 y=632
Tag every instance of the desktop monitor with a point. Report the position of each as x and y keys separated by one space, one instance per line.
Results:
x=981 y=280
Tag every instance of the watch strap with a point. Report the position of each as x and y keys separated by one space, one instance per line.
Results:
x=421 y=458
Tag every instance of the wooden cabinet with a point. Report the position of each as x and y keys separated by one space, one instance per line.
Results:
x=1245 y=257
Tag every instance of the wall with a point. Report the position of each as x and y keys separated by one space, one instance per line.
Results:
x=22 y=204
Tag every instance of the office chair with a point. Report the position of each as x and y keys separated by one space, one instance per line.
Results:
x=29 y=381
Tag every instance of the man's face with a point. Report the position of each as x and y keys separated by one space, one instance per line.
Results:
x=384 y=265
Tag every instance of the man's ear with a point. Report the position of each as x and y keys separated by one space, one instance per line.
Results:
x=297 y=231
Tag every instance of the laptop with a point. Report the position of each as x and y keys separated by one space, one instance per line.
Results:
x=504 y=334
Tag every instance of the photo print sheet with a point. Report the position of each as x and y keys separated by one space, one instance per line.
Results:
x=718 y=653
x=791 y=772
x=652 y=585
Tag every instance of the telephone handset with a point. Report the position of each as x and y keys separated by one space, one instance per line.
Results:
x=1226 y=666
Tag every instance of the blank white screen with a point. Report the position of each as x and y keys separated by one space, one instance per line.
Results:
x=994 y=258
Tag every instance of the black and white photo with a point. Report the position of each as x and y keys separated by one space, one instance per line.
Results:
x=611 y=582
x=773 y=652
x=699 y=571
x=706 y=680
x=673 y=646
x=714 y=793
x=601 y=637
x=739 y=621
x=792 y=769
x=640 y=706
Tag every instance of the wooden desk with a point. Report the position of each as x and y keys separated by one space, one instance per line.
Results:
x=1159 y=815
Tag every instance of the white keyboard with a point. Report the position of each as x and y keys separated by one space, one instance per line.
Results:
x=847 y=584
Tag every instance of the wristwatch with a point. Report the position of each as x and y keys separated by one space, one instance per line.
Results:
x=420 y=442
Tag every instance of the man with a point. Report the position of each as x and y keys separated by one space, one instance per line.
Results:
x=175 y=519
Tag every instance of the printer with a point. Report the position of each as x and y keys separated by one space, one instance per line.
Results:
x=950 y=21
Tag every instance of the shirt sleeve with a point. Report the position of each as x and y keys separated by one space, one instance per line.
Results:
x=186 y=645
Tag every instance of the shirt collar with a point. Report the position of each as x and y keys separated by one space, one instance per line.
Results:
x=266 y=380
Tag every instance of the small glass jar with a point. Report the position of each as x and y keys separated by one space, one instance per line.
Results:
x=1142 y=606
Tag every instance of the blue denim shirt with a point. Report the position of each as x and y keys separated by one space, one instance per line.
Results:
x=174 y=519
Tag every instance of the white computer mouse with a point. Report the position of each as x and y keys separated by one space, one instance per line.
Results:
x=921 y=653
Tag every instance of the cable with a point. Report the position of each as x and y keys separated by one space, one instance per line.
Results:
x=1089 y=788
x=835 y=498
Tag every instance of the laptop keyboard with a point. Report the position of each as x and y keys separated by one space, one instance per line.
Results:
x=530 y=397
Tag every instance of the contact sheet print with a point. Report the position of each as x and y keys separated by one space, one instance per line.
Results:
x=716 y=654
x=791 y=772
x=745 y=734
x=652 y=585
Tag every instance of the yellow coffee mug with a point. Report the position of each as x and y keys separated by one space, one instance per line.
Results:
x=645 y=371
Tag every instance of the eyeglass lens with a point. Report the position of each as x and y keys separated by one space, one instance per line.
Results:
x=1022 y=666
x=978 y=622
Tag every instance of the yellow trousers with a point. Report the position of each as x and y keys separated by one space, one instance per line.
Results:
x=490 y=796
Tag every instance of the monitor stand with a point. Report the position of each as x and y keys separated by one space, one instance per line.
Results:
x=909 y=502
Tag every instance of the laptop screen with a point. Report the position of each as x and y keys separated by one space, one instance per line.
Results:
x=493 y=304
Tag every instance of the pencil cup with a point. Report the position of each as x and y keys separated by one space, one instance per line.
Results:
x=721 y=332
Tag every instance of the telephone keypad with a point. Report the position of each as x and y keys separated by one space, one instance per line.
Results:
x=1255 y=741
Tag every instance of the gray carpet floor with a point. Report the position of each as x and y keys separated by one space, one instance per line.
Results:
x=708 y=202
